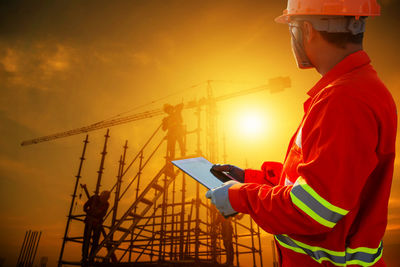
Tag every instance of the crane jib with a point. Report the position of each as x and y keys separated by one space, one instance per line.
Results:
x=274 y=85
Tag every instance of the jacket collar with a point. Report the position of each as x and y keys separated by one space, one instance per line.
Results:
x=348 y=64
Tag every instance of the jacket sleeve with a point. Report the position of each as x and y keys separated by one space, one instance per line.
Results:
x=269 y=174
x=339 y=138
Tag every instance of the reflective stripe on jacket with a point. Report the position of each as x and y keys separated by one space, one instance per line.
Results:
x=327 y=203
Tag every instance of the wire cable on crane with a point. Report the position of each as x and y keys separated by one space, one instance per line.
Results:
x=154 y=101
x=170 y=95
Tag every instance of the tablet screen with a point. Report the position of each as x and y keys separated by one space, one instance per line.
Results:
x=199 y=169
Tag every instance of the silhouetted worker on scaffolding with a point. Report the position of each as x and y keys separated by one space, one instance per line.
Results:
x=227 y=235
x=173 y=124
x=96 y=208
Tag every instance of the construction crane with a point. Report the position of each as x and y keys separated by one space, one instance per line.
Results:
x=274 y=85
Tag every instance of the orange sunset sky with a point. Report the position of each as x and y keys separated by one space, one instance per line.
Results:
x=66 y=64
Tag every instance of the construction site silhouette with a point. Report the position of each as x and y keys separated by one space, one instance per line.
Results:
x=160 y=217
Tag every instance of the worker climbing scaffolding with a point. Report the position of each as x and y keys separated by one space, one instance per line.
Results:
x=224 y=226
x=327 y=202
x=227 y=236
x=173 y=124
x=95 y=208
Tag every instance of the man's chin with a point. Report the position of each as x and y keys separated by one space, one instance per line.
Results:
x=303 y=67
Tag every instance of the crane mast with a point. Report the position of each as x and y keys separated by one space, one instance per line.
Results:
x=274 y=85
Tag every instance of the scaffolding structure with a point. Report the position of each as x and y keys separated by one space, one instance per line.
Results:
x=164 y=224
x=157 y=216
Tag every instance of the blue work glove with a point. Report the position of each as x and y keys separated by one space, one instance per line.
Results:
x=236 y=172
x=220 y=198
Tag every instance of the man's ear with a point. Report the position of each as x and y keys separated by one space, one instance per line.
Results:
x=308 y=32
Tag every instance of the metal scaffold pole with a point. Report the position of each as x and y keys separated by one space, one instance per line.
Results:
x=33 y=256
x=236 y=242
x=211 y=130
x=29 y=248
x=23 y=245
x=182 y=218
x=78 y=176
x=208 y=239
x=119 y=182
x=198 y=130
x=259 y=245
x=101 y=168
x=172 y=234
x=25 y=248
x=197 y=227
x=117 y=191
x=139 y=173
x=252 y=241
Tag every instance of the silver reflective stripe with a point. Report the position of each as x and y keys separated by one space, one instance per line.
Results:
x=298 y=138
x=315 y=254
x=364 y=256
x=288 y=182
x=314 y=205
x=358 y=256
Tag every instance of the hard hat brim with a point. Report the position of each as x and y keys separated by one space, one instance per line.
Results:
x=284 y=19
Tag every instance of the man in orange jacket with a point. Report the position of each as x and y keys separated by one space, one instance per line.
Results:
x=327 y=203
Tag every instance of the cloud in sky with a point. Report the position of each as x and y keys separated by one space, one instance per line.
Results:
x=34 y=66
x=10 y=61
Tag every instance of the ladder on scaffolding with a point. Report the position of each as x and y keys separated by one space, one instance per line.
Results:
x=144 y=202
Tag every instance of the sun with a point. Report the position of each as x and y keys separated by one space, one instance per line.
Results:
x=246 y=123
x=251 y=123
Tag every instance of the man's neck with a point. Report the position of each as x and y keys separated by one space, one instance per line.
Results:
x=333 y=56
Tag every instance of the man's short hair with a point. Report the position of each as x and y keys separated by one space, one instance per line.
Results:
x=341 y=39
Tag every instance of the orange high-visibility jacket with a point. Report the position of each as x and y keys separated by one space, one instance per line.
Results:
x=327 y=203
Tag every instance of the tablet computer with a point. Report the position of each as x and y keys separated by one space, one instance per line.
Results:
x=200 y=170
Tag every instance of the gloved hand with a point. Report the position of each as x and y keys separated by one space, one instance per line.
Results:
x=233 y=171
x=220 y=198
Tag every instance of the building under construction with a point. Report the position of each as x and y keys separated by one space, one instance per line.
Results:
x=158 y=216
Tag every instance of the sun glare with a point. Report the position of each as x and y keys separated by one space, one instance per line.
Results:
x=251 y=124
